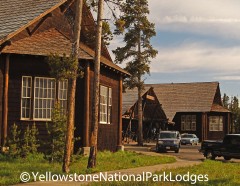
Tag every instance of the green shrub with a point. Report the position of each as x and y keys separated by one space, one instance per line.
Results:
x=13 y=142
x=29 y=142
x=22 y=143
x=57 y=132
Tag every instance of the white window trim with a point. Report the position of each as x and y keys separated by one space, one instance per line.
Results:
x=212 y=129
x=30 y=109
x=59 y=91
x=107 y=106
x=193 y=123
x=41 y=119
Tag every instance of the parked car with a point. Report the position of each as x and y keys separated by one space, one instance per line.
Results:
x=229 y=147
x=189 y=139
x=168 y=140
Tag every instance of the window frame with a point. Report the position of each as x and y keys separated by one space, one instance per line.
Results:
x=30 y=98
x=190 y=120
x=108 y=105
x=61 y=100
x=51 y=99
x=213 y=126
x=55 y=94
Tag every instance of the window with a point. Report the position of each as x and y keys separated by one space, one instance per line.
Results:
x=39 y=105
x=188 y=122
x=62 y=94
x=44 y=96
x=105 y=104
x=26 y=97
x=216 y=123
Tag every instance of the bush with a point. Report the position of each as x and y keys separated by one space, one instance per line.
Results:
x=57 y=133
x=22 y=143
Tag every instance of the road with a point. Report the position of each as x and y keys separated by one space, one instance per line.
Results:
x=191 y=153
x=186 y=152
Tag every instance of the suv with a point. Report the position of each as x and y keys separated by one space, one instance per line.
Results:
x=168 y=140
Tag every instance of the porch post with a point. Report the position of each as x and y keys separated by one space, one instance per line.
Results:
x=5 y=101
x=120 y=146
x=86 y=148
x=204 y=116
x=229 y=123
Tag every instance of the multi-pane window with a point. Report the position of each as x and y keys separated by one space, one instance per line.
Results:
x=105 y=104
x=62 y=94
x=26 y=97
x=188 y=122
x=39 y=105
x=44 y=97
x=216 y=123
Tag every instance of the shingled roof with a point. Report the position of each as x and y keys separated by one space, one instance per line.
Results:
x=152 y=108
x=189 y=97
x=182 y=97
x=16 y=15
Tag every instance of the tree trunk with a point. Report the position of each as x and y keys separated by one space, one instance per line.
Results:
x=140 y=118
x=95 y=108
x=72 y=90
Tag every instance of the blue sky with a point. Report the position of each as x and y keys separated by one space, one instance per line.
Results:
x=197 y=41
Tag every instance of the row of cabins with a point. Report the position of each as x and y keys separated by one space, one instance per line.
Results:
x=31 y=30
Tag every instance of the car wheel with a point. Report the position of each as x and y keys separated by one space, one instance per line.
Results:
x=177 y=150
x=210 y=155
x=157 y=149
x=227 y=158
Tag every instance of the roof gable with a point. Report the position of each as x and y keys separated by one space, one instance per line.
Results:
x=50 y=37
x=151 y=105
x=186 y=97
x=16 y=15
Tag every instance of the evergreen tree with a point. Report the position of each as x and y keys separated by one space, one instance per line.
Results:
x=137 y=50
x=234 y=108
x=95 y=108
x=57 y=131
x=14 y=142
x=225 y=101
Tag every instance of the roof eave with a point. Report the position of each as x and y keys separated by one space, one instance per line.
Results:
x=9 y=36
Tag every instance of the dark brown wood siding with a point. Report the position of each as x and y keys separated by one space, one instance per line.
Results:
x=36 y=66
x=177 y=125
x=218 y=135
x=108 y=133
x=24 y=66
x=202 y=127
x=2 y=61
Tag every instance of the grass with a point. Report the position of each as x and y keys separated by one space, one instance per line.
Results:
x=219 y=174
x=106 y=161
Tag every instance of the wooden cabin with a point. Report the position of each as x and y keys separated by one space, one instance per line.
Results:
x=154 y=117
x=194 y=108
x=30 y=30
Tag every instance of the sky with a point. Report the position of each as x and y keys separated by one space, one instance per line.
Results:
x=197 y=41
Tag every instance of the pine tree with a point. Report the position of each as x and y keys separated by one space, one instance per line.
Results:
x=225 y=101
x=14 y=142
x=234 y=108
x=95 y=109
x=137 y=50
x=57 y=131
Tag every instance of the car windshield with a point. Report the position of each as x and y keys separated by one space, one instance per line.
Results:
x=188 y=136
x=167 y=135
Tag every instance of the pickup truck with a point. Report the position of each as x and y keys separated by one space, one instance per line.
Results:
x=229 y=147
